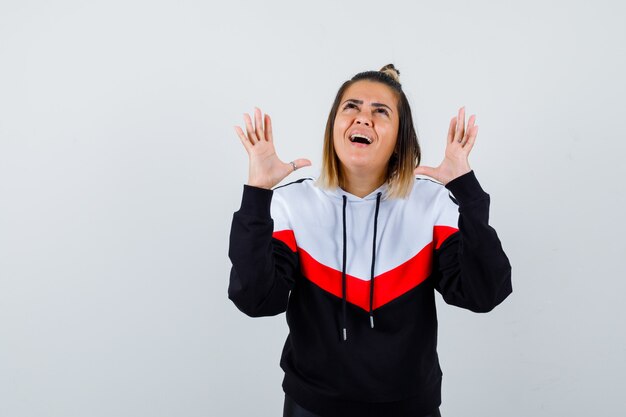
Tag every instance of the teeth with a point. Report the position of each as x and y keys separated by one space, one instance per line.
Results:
x=361 y=136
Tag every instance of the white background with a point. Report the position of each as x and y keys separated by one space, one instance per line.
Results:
x=120 y=171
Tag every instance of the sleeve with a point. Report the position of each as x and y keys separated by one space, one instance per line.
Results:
x=472 y=270
x=263 y=267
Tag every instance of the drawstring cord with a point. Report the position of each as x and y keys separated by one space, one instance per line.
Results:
x=343 y=269
x=374 y=261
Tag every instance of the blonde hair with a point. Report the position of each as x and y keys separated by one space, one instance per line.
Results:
x=406 y=155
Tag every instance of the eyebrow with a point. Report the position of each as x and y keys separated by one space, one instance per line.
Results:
x=352 y=100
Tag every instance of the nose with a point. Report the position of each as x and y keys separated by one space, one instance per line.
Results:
x=363 y=119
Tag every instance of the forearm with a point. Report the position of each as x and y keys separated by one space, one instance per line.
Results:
x=475 y=271
x=262 y=272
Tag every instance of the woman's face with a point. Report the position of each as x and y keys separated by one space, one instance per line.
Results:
x=368 y=108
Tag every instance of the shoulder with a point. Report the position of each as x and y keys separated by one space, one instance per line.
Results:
x=298 y=184
x=426 y=190
x=295 y=189
x=291 y=197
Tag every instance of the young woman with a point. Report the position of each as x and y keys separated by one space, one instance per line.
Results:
x=355 y=256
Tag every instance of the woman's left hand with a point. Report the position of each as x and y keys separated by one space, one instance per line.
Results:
x=460 y=143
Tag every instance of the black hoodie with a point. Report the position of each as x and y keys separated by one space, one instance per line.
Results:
x=356 y=277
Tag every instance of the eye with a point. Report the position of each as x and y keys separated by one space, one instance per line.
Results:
x=350 y=106
x=384 y=111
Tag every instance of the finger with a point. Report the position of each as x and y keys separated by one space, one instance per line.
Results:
x=301 y=163
x=258 y=123
x=460 y=125
x=451 y=130
x=470 y=124
x=244 y=140
x=268 y=128
x=471 y=139
x=249 y=129
x=297 y=164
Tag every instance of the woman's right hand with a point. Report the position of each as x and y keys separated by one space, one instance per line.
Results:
x=265 y=168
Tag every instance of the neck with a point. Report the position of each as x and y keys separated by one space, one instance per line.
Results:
x=362 y=182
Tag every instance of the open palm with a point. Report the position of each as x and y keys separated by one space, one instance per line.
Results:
x=265 y=168
x=459 y=144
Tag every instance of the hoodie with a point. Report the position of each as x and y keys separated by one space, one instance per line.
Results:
x=357 y=280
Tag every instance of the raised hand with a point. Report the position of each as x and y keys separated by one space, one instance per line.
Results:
x=265 y=168
x=460 y=143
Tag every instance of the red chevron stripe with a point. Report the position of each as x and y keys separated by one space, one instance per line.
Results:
x=389 y=285
x=441 y=233
x=286 y=236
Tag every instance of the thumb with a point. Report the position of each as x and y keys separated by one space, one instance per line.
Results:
x=424 y=170
x=302 y=163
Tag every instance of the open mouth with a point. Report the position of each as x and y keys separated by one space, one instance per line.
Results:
x=359 y=138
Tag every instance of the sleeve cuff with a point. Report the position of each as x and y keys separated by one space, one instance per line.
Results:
x=466 y=188
x=256 y=201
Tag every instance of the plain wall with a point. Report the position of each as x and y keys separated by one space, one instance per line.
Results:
x=120 y=171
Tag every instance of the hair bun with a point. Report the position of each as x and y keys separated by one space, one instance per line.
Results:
x=392 y=71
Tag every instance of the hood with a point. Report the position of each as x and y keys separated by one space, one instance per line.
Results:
x=338 y=193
